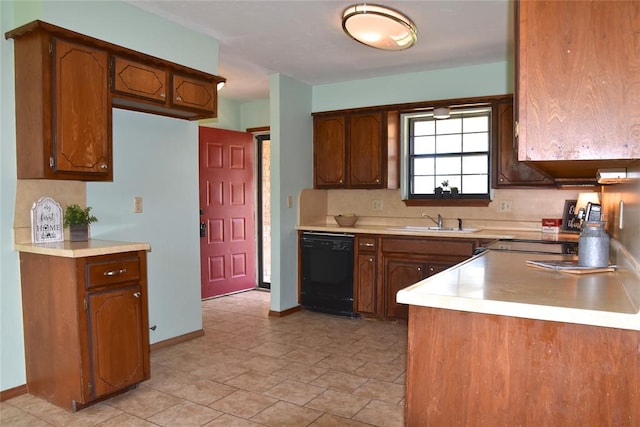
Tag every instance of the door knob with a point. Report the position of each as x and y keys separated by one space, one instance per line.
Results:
x=203 y=229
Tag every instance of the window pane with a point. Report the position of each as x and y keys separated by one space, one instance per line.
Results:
x=424 y=127
x=424 y=145
x=449 y=143
x=474 y=142
x=475 y=164
x=475 y=184
x=448 y=165
x=423 y=166
x=476 y=124
x=423 y=184
x=448 y=126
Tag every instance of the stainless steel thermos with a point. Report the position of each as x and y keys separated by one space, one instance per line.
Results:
x=593 y=245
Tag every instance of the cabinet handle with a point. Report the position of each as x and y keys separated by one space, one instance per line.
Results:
x=163 y=95
x=115 y=272
x=431 y=269
x=368 y=245
x=370 y=260
x=419 y=268
x=104 y=166
x=178 y=98
x=136 y=294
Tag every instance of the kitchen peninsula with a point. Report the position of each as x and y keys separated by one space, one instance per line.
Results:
x=495 y=342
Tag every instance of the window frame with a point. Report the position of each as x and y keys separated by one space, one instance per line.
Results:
x=406 y=155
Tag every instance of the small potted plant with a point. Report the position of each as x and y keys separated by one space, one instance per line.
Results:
x=455 y=191
x=445 y=188
x=78 y=220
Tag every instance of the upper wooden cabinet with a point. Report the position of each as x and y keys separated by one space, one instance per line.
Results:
x=66 y=85
x=63 y=109
x=161 y=90
x=351 y=150
x=507 y=170
x=577 y=67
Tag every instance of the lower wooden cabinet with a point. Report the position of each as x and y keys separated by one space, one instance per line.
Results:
x=85 y=326
x=387 y=264
x=366 y=271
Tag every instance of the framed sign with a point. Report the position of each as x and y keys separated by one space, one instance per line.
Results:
x=46 y=221
x=569 y=221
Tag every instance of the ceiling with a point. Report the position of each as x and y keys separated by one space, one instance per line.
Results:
x=304 y=39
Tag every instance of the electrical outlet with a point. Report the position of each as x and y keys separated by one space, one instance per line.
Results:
x=137 y=204
x=504 y=206
x=376 y=205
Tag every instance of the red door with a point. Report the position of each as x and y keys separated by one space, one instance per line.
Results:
x=227 y=220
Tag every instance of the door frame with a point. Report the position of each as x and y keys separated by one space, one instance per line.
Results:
x=260 y=138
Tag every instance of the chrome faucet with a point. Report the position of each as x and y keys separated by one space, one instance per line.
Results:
x=438 y=222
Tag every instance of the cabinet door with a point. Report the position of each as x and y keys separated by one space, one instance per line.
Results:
x=116 y=336
x=194 y=93
x=366 y=150
x=366 y=289
x=576 y=64
x=329 y=151
x=133 y=78
x=82 y=111
x=398 y=274
x=508 y=171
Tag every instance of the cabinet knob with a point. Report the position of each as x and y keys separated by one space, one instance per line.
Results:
x=419 y=268
x=104 y=166
x=163 y=95
x=370 y=260
x=368 y=245
x=178 y=98
x=136 y=294
x=340 y=181
x=431 y=269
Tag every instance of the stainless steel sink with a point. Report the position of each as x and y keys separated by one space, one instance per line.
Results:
x=424 y=228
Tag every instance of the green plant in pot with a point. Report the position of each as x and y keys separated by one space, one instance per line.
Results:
x=78 y=220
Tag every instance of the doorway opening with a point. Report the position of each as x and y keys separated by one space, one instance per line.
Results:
x=263 y=211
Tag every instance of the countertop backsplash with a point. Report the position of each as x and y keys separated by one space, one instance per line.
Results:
x=528 y=207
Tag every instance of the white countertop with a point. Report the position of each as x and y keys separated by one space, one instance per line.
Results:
x=91 y=247
x=501 y=283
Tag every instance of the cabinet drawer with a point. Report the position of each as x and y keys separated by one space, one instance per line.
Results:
x=109 y=271
x=367 y=244
x=456 y=247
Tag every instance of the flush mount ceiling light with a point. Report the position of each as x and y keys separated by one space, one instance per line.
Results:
x=441 y=113
x=379 y=27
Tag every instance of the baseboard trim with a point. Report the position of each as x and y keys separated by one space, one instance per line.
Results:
x=286 y=312
x=177 y=340
x=13 y=392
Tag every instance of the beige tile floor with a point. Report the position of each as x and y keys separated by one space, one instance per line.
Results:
x=305 y=369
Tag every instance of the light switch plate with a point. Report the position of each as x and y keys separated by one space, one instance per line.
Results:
x=137 y=204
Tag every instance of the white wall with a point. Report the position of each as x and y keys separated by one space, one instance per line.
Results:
x=291 y=171
x=153 y=157
x=156 y=158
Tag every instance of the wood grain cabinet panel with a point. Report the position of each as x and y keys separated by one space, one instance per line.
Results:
x=329 y=151
x=474 y=369
x=85 y=338
x=63 y=109
x=194 y=93
x=508 y=171
x=577 y=63
x=366 y=280
x=138 y=79
x=66 y=84
x=351 y=150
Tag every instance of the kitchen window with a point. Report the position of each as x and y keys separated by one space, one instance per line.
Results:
x=447 y=160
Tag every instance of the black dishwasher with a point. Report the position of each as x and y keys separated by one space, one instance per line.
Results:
x=327 y=272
